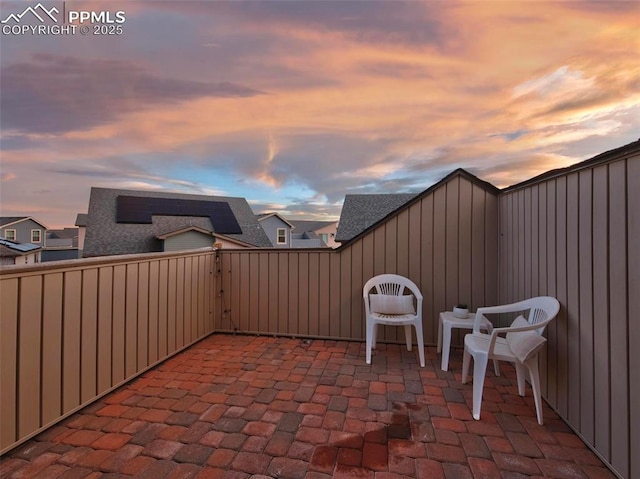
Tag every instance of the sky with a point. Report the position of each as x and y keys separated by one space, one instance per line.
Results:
x=295 y=104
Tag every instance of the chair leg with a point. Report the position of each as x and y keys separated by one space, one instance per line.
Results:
x=496 y=367
x=466 y=359
x=407 y=336
x=534 y=377
x=369 y=340
x=420 y=340
x=479 y=371
x=374 y=339
x=446 y=347
x=521 y=375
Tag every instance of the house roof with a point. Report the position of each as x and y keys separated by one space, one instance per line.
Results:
x=105 y=236
x=11 y=220
x=301 y=226
x=81 y=219
x=264 y=216
x=359 y=212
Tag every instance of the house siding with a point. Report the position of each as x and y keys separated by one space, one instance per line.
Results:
x=271 y=225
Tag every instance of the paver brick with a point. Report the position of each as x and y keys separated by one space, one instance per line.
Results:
x=285 y=468
x=193 y=453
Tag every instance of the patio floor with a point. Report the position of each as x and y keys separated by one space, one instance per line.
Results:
x=247 y=406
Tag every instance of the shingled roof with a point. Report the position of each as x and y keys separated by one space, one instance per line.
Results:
x=359 y=212
x=105 y=236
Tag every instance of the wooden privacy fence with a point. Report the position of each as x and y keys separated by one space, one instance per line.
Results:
x=72 y=331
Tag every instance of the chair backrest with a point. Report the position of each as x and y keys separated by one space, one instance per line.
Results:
x=542 y=309
x=391 y=284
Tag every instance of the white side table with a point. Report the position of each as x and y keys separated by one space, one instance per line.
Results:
x=446 y=323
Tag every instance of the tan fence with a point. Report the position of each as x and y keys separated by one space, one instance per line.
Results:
x=72 y=331
x=445 y=241
x=577 y=237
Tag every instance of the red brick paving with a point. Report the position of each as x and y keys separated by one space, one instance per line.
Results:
x=257 y=407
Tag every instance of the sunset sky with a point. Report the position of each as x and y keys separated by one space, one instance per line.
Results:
x=294 y=104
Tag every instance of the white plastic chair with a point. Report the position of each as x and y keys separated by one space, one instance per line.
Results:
x=521 y=346
x=390 y=289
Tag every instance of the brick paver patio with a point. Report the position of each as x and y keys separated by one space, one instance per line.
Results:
x=246 y=406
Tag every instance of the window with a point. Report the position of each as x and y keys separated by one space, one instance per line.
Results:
x=10 y=235
x=324 y=237
x=282 y=236
x=35 y=236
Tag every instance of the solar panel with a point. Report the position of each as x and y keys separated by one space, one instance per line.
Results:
x=140 y=210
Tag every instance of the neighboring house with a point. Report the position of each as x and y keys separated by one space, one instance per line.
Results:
x=132 y=221
x=360 y=212
x=22 y=229
x=60 y=244
x=12 y=253
x=277 y=229
x=306 y=231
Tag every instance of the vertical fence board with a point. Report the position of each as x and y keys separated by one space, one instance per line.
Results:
x=303 y=293
x=283 y=293
x=477 y=297
x=562 y=320
x=526 y=244
x=274 y=285
x=163 y=305
x=601 y=344
x=633 y=269
x=143 y=316
x=154 y=298
x=430 y=310
x=573 y=281
x=335 y=287
x=172 y=304
x=131 y=321
x=356 y=285
x=29 y=350
x=71 y=341
x=8 y=361
x=314 y=298
x=585 y=254
x=402 y=246
x=179 y=292
x=323 y=294
x=118 y=324
x=51 y=347
x=105 y=314
x=294 y=293
x=451 y=245
x=465 y=239
x=263 y=292
x=618 y=312
x=414 y=251
x=345 y=293
x=89 y=328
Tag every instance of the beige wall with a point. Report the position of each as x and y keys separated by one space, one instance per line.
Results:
x=576 y=236
x=74 y=331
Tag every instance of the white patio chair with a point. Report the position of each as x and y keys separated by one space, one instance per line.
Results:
x=391 y=306
x=521 y=346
